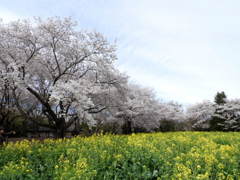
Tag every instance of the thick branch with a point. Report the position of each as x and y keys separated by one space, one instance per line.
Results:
x=45 y=104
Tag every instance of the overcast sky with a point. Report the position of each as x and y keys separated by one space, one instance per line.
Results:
x=185 y=50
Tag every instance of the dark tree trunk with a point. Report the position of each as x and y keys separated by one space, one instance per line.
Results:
x=60 y=128
x=5 y=121
x=127 y=127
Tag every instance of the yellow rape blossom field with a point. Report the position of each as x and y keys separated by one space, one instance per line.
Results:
x=178 y=155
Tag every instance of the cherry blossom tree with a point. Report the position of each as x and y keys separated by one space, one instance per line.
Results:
x=61 y=68
x=137 y=109
x=200 y=115
x=172 y=117
x=227 y=116
x=141 y=110
x=6 y=105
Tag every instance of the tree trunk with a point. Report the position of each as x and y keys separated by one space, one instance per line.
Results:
x=127 y=127
x=60 y=128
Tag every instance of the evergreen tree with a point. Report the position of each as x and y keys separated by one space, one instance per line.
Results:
x=218 y=117
x=220 y=98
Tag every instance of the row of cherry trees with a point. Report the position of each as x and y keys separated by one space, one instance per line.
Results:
x=55 y=76
x=222 y=115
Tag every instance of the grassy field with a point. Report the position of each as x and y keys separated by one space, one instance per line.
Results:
x=180 y=155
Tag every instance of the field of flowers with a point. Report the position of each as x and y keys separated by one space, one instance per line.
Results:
x=180 y=155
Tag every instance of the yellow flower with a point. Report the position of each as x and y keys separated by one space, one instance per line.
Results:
x=220 y=166
x=118 y=156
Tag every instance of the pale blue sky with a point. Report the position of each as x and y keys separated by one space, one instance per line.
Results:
x=186 y=50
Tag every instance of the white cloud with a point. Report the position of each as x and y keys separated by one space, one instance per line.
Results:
x=7 y=15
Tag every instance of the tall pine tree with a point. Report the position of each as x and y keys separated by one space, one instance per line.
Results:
x=220 y=98
x=218 y=117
